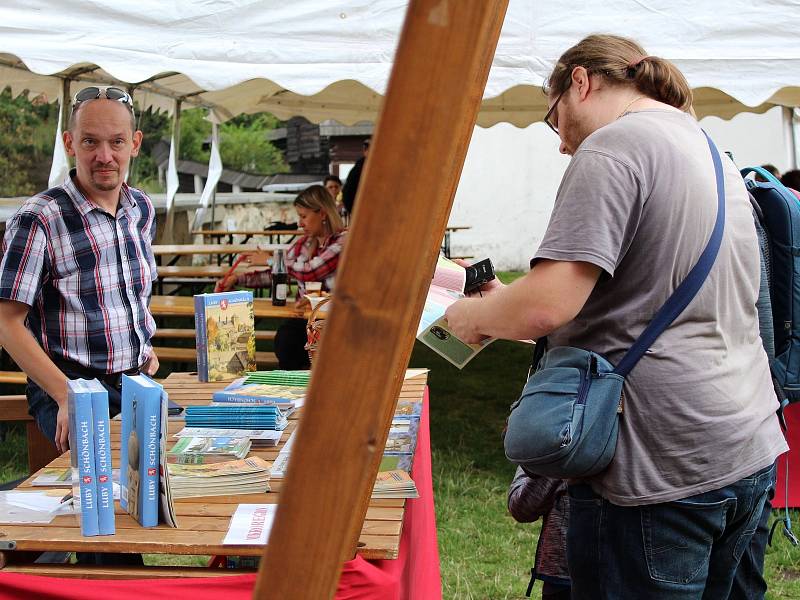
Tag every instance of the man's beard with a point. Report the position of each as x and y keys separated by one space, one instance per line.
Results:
x=105 y=186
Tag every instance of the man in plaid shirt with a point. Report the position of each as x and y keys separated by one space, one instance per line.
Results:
x=77 y=268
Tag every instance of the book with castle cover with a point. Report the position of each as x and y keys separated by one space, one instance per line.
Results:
x=102 y=456
x=81 y=444
x=225 y=334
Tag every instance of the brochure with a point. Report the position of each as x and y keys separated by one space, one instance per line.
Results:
x=251 y=524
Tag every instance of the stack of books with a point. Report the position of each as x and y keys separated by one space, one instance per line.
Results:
x=236 y=416
x=208 y=450
x=278 y=377
x=247 y=476
x=402 y=440
x=90 y=455
x=394 y=484
x=144 y=484
x=225 y=335
x=285 y=397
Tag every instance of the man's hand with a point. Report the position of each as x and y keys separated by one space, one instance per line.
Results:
x=487 y=288
x=258 y=257
x=62 y=428
x=151 y=366
x=460 y=320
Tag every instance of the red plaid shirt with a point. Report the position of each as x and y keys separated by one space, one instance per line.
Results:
x=308 y=261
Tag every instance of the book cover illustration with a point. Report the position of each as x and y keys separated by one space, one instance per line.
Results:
x=286 y=396
x=103 y=466
x=81 y=444
x=205 y=450
x=226 y=343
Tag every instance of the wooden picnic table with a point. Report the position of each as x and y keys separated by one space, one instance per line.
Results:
x=218 y=250
x=218 y=234
x=203 y=522
x=183 y=306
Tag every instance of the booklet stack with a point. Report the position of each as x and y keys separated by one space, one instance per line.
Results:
x=208 y=450
x=248 y=476
x=90 y=456
x=236 y=416
x=144 y=482
x=402 y=440
x=259 y=438
x=226 y=342
x=394 y=484
x=283 y=396
x=278 y=377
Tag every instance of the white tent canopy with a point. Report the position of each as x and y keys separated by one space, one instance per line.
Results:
x=324 y=59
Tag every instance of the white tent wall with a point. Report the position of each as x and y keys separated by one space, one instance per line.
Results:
x=511 y=177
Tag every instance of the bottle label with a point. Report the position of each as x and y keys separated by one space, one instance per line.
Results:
x=280 y=291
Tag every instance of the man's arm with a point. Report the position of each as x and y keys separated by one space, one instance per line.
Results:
x=26 y=352
x=548 y=297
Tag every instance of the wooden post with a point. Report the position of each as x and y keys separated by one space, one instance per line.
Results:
x=415 y=161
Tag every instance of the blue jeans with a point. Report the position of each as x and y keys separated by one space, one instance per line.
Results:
x=681 y=550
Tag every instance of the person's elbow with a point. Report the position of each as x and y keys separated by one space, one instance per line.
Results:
x=544 y=319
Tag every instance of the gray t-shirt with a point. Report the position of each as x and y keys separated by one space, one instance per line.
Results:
x=639 y=200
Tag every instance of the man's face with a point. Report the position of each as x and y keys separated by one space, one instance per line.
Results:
x=102 y=143
x=572 y=127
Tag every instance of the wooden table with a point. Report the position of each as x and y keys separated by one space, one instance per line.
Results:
x=183 y=306
x=218 y=234
x=203 y=522
x=219 y=250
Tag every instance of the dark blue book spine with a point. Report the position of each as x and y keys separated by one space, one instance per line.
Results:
x=103 y=467
x=149 y=429
x=201 y=336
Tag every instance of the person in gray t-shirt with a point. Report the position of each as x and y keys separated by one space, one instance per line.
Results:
x=694 y=461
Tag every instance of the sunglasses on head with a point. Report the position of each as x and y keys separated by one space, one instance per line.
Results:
x=108 y=92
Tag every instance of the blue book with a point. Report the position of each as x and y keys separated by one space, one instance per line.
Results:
x=225 y=334
x=126 y=413
x=102 y=457
x=140 y=445
x=81 y=444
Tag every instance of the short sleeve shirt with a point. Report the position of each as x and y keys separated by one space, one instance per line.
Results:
x=86 y=274
x=639 y=201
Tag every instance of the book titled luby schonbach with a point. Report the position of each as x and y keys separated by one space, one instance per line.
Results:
x=81 y=443
x=102 y=456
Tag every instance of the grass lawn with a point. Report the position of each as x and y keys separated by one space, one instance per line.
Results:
x=484 y=553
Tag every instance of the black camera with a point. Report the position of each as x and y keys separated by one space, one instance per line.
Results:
x=478 y=274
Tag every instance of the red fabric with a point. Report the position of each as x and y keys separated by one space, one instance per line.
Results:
x=792 y=414
x=414 y=575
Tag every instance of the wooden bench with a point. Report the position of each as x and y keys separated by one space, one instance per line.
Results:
x=189 y=355
x=16 y=377
x=182 y=334
x=41 y=451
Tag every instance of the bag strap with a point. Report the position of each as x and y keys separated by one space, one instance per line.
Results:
x=689 y=287
x=763 y=173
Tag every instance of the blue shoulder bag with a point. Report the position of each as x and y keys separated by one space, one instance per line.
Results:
x=566 y=421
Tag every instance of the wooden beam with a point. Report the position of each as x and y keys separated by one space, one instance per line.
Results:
x=431 y=105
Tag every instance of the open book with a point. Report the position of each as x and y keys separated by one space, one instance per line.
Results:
x=447 y=287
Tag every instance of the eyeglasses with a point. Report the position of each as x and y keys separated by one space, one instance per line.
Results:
x=549 y=115
x=108 y=92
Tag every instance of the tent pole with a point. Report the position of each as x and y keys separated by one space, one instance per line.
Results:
x=790 y=126
x=169 y=224
x=432 y=101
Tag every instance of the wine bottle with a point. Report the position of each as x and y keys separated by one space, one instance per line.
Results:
x=280 y=281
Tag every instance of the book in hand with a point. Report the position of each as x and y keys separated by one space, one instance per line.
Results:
x=81 y=444
x=225 y=335
x=144 y=485
x=246 y=476
x=282 y=396
x=207 y=450
x=446 y=288
x=103 y=466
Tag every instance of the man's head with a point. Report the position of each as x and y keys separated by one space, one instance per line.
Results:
x=365 y=145
x=102 y=138
x=595 y=79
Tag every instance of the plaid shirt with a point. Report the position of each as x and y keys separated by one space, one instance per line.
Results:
x=87 y=276
x=307 y=261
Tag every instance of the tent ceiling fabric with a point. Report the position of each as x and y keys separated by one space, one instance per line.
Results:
x=331 y=60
